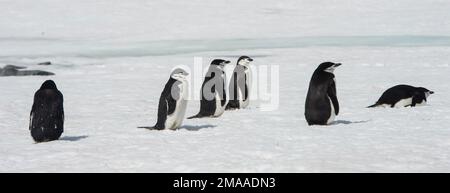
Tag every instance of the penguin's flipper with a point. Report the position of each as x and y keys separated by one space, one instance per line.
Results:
x=332 y=94
x=244 y=88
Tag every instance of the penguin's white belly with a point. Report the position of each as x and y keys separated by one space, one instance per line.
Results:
x=171 y=121
x=403 y=103
x=248 y=84
x=175 y=120
x=332 y=113
x=245 y=103
x=241 y=99
x=219 y=108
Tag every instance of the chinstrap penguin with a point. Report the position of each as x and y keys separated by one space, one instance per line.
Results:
x=47 y=113
x=172 y=102
x=213 y=96
x=322 y=104
x=240 y=84
x=403 y=96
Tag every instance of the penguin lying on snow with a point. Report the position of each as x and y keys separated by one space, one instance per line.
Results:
x=321 y=101
x=214 y=98
x=240 y=84
x=173 y=102
x=403 y=96
x=47 y=113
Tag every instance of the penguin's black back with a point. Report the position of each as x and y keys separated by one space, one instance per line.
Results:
x=317 y=105
x=47 y=113
x=167 y=104
x=396 y=93
x=207 y=105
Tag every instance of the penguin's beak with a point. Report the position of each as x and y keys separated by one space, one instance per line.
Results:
x=337 y=64
x=249 y=59
x=431 y=92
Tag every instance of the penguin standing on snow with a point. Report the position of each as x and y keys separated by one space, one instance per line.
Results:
x=213 y=96
x=240 y=83
x=47 y=113
x=173 y=102
x=403 y=96
x=321 y=102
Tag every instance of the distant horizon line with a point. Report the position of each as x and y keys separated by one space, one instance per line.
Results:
x=42 y=38
x=99 y=48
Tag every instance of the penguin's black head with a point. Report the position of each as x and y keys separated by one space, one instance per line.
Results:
x=328 y=67
x=48 y=84
x=244 y=60
x=220 y=62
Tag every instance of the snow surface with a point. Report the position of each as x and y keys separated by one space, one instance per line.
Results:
x=112 y=59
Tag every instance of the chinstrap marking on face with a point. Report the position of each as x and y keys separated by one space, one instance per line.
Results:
x=245 y=61
x=332 y=68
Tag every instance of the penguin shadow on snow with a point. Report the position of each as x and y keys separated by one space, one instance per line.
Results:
x=196 y=127
x=345 y=122
x=73 y=138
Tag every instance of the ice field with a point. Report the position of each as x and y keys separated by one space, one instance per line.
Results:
x=112 y=59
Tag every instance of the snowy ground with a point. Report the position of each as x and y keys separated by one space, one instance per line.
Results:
x=112 y=63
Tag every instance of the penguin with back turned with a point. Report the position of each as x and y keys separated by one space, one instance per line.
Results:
x=47 y=113
x=322 y=104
